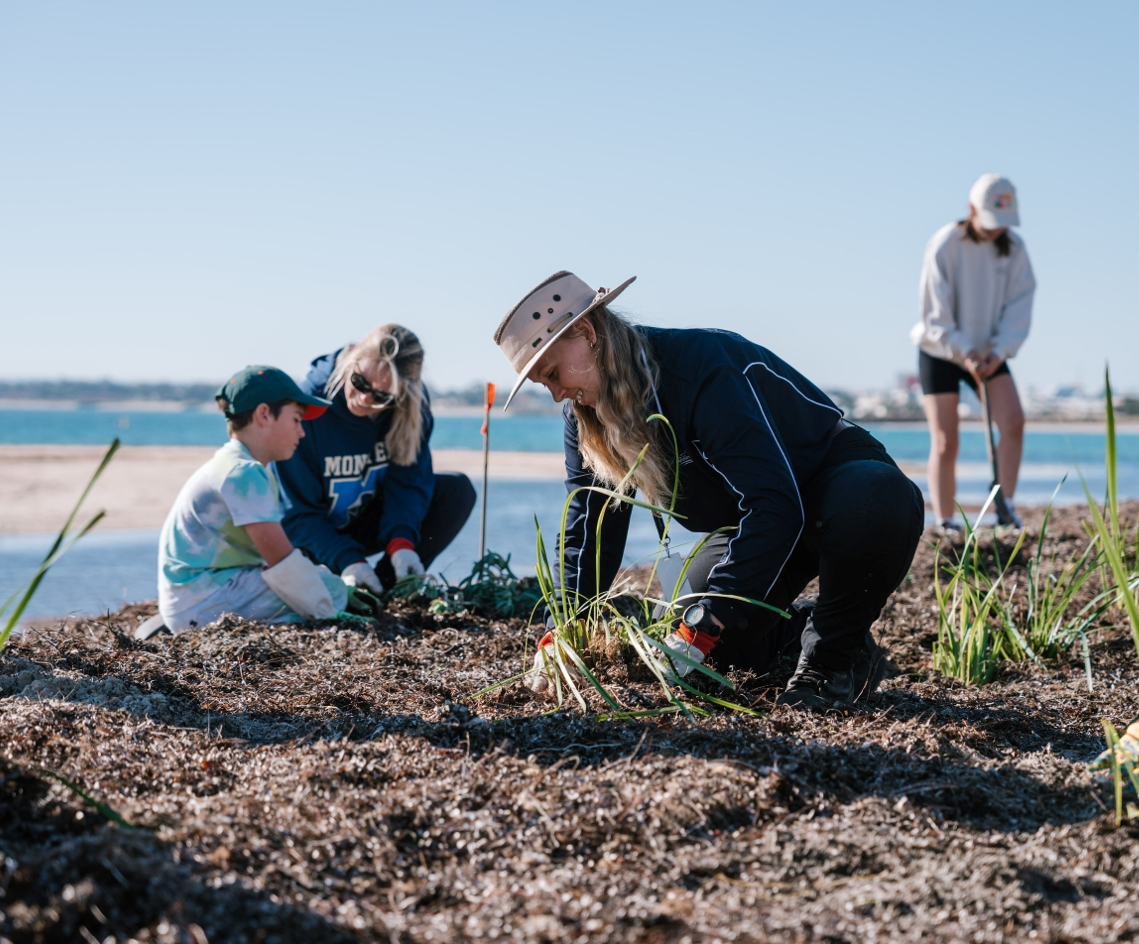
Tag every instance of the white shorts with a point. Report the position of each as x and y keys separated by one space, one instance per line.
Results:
x=246 y=595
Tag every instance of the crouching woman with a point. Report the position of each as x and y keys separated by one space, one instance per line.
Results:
x=362 y=480
x=763 y=452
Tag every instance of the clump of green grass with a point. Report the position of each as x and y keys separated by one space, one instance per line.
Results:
x=972 y=614
x=22 y=596
x=1046 y=629
x=587 y=628
x=1122 y=565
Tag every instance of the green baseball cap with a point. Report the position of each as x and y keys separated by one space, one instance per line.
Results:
x=258 y=384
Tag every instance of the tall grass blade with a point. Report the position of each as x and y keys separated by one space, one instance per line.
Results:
x=1112 y=738
x=58 y=548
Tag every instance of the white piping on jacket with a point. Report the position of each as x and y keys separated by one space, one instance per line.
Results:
x=740 y=505
x=791 y=472
x=826 y=406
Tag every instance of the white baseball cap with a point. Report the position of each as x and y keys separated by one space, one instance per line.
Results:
x=994 y=199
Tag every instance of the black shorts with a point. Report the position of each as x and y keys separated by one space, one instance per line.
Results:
x=939 y=376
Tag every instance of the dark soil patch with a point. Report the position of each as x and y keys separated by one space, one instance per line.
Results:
x=340 y=784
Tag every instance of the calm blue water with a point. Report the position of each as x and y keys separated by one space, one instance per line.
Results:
x=207 y=428
x=541 y=433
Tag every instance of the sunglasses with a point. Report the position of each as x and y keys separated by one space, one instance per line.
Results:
x=379 y=397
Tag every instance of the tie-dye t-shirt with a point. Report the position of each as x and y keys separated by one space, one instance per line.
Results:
x=204 y=541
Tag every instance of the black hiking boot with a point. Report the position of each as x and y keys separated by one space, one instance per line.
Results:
x=817 y=689
x=870 y=666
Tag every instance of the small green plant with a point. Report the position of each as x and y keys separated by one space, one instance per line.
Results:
x=1113 y=539
x=1046 y=630
x=491 y=588
x=22 y=596
x=1122 y=758
x=972 y=614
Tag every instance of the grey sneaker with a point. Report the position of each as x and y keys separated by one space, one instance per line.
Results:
x=817 y=689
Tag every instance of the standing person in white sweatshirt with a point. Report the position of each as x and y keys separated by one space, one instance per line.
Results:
x=976 y=306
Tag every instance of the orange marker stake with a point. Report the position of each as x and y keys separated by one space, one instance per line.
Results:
x=485 y=464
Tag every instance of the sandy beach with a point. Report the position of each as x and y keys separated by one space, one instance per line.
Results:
x=40 y=484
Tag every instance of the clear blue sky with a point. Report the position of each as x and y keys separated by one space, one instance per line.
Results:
x=186 y=188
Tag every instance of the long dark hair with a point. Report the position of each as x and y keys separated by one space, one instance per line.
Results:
x=1002 y=242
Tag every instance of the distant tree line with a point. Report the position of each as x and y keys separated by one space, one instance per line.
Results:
x=103 y=391
x=96 y=391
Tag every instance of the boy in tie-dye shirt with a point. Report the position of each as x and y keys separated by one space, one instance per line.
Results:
x=223 y=549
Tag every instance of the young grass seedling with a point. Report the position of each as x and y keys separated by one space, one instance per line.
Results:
x=64 y=540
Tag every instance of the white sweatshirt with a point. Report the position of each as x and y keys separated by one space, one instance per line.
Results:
x=972 y=298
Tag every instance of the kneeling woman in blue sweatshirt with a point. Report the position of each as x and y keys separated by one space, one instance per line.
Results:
x=362 y=480
x=763 y=452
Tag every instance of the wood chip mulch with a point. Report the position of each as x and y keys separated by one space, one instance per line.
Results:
x=332 y=783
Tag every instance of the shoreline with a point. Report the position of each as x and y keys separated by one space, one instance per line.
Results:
x=39 y=484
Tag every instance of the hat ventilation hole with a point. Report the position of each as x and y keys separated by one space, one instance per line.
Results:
x=550 y=311
x=557 y=298
x=536 y=343
x=537 y=315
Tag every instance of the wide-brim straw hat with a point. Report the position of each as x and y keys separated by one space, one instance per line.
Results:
x=543 y=316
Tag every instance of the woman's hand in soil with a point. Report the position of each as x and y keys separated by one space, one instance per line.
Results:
x=405 y=563
x=540 y=678
x=361 y=574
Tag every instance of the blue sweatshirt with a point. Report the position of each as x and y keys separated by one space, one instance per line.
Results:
x=752 y=431
x=339 y=468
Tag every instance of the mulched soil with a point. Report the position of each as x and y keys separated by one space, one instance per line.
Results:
x=332 y=783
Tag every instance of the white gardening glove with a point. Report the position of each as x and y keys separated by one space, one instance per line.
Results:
x=540 y=677
x=406 y=562
x=361 y=575
x=298 y=582
x=692 y=645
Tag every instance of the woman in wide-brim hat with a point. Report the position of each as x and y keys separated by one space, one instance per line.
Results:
x=763 y=451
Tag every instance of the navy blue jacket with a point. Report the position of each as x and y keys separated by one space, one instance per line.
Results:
x=752 y=431
x=339 y=468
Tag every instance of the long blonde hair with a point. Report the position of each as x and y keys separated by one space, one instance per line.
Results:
x=612 y=434
x=395 y=347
